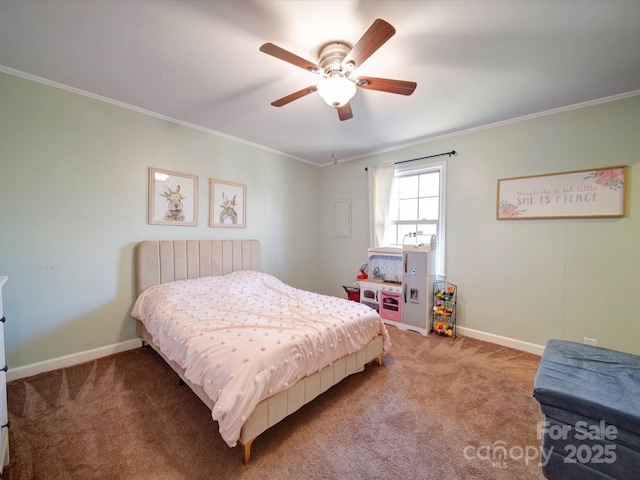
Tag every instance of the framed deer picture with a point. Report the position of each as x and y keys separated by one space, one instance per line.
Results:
x=227 y=204
x=173 y=198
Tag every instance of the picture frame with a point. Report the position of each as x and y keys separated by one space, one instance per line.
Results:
x=227 y=204
x=173 y=198
x=588 y=193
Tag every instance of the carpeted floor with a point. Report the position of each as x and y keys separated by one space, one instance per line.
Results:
x=437 y=409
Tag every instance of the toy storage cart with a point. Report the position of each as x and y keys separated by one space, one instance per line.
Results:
x=353 y=293
x=444 y=309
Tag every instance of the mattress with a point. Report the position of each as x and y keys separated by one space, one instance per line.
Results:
x=246 y=336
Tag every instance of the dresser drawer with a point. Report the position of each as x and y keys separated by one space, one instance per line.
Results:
x=2 y=364
x=4 y=448
x=4 y=416
x=2 y=282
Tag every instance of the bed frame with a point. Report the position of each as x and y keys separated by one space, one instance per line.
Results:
x=169 y=260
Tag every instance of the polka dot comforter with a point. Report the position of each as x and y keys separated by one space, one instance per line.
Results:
x=246 y=336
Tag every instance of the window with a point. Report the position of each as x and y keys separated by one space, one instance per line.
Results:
x=417 y=205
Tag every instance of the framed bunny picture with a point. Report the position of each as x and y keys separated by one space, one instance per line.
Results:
x=173 y=198
x=227 y=204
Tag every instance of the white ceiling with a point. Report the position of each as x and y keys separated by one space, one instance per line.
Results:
x=476 y=63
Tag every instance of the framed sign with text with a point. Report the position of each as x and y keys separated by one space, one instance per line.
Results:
x=596 y=192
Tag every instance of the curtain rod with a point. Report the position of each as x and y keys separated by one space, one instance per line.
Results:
x=451 y=154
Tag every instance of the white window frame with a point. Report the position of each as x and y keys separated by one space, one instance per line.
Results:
x=418 y=167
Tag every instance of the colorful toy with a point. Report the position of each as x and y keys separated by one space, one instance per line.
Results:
x=363 y=272
x=443 y=328
x=362 y=275
x=442 y=310
x=446 y=294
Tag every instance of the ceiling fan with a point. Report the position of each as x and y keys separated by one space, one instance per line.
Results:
x=337 y=62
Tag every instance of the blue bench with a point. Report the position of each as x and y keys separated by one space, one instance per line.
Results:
x=590 y=397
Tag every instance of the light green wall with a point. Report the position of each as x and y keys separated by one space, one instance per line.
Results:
x=73 y=190
x=529 y=280
x=73 y=176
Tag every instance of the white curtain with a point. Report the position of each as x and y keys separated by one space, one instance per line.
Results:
x=380 y=183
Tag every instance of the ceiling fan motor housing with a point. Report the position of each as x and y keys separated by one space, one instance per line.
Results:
x=331 y=57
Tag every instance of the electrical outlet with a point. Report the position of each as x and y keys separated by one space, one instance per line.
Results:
x=590 y=341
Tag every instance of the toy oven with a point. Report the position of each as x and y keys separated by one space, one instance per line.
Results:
x=390 y=306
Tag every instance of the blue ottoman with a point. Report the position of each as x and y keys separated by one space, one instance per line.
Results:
x=590 y=397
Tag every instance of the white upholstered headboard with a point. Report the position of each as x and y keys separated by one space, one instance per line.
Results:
x=168 y=260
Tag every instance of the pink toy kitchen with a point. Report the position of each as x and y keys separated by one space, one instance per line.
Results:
x=400 y=282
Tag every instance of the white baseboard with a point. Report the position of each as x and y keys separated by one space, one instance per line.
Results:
x=500 y=340
x=69 y=360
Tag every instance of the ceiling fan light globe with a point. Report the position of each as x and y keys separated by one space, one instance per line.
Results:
x=336 y=90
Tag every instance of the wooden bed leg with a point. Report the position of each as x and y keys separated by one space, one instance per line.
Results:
x=379 y=359
x=246 y=451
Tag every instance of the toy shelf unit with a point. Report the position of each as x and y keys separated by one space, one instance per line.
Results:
x=444 y=309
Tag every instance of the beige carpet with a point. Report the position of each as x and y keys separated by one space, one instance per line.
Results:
x=437 y=409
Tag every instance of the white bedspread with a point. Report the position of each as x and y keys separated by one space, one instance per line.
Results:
x=246 y=335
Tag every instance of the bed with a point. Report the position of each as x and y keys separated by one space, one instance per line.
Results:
x=221 y=309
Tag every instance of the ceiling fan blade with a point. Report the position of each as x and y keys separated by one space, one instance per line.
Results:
x=401 y=87
x=344 y=112
x=377 y=34
x=282 y=54
x=294 y=96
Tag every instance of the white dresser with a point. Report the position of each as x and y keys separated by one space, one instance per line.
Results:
x=4 y=415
